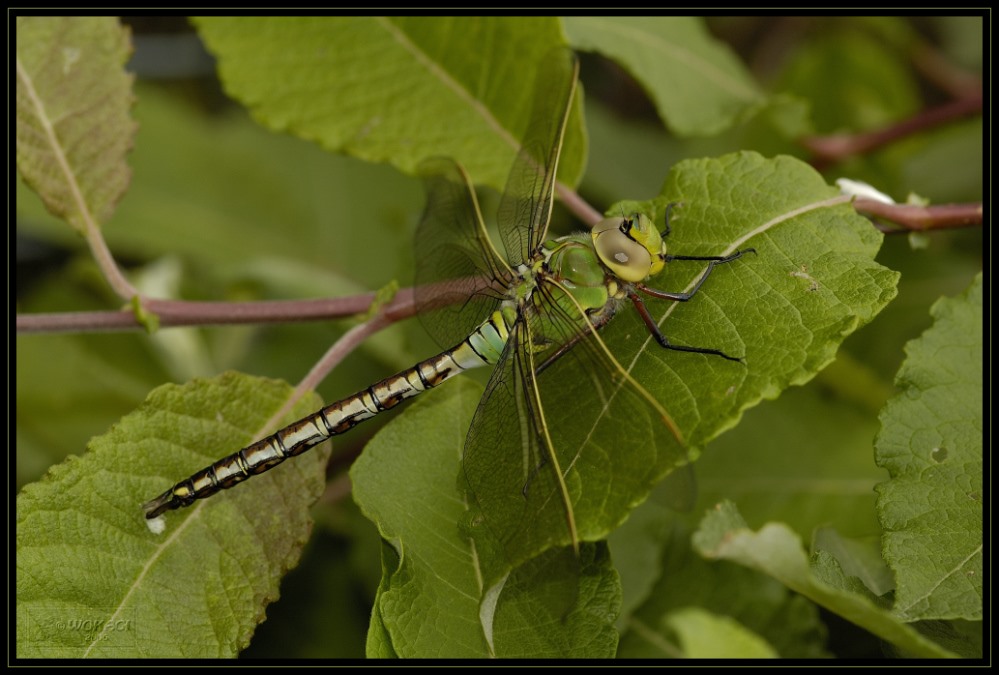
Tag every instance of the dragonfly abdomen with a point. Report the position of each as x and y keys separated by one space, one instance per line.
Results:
x=481 y=348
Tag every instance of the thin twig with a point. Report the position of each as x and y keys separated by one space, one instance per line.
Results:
x=577 y=205
x=943 y=73
x=333 y=356
x=836 y=147
x=173 y=313
x=911 y=218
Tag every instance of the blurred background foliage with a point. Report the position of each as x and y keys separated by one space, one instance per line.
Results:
x=220 y=208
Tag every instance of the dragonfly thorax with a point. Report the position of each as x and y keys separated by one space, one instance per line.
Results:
x=630 y=247
x=572 y=264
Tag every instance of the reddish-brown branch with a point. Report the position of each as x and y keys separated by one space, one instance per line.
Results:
x=188 y=313
x=578 y=206
x=836 y=147
x=910 y=218
x=944 y=73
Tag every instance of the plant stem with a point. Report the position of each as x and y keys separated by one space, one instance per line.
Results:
x=836 y=147
x=174 y=313
x=912 y=218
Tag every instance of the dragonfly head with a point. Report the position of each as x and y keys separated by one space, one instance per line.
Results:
x=630 y=246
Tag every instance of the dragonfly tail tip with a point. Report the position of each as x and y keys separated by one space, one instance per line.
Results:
x=154 y=508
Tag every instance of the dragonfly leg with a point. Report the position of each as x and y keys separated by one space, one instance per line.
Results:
x=683 y=297
x=650 y=323
x=669 y=210
x=597 y=320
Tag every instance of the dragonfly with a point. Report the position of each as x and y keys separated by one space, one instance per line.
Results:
x=524 y=314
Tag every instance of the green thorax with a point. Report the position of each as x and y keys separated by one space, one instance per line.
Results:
x=573 y=263
x=565 y=281
x=584 y=275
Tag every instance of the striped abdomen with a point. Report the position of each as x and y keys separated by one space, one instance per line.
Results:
x=482 y=347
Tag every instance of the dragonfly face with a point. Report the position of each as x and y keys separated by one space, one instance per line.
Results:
x=630 y=247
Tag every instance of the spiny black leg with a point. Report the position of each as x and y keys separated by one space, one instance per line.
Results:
x=661 y=339
x=669 y=209
x=552 y=358
x=683 y=297
x=597 y=319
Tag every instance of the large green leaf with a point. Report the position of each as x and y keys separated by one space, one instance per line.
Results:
x=94 y=581
x=804 y=459
x=812 y=282
x=697 y=83
x=73 y=124
x=395 y=90
x=785 y=310
x=931 y=444
x=433 y=599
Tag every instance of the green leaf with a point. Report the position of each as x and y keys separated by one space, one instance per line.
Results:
x=703 y=635
x=788 y=623
x=804 y=459
x=73 y=124
x=379 y=642
x=432 y=599
x=776 y=551
x=698 y=85
x=395 y=90
x=94 y=581
x=931 y=444
x=857 y=558
x=784 y=310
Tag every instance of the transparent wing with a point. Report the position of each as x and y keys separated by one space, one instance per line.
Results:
x=460 y=275
x=460 y=278
x=526 y=205
x=504 y=468
x=610 y=442
x=616 y=441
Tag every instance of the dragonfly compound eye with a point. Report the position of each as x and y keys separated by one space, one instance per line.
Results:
x=626 y=257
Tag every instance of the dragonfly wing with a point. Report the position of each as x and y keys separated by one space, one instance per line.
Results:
x=518 y=505
x=459 y=275
x=615 y=440
x=526 y=205
x=562 y=456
